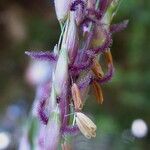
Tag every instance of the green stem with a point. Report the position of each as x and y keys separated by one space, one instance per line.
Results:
x=61 y=35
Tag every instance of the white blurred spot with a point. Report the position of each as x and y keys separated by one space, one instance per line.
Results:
x=39 y=72
x=139 y=128
x=4 y=140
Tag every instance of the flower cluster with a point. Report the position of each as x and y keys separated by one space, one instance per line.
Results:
x=86 y=36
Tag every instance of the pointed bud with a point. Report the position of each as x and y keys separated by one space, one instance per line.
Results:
x=76 y=97
x=71 y=39
x=52 y=135
x=52 y=102
x=86 y=126
x=62 y=8
x=61 y=72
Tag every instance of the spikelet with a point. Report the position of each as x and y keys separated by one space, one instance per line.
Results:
x=97 y=69
x=76 y=97
x=98 y=92
x=108 y=57
x=70 y=38
x=61 y=71
x=86 y=126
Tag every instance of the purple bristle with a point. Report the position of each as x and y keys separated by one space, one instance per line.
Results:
x=119 y=27
x=41 y=112
x=42 y=55
x=108 y=76
x=85 y=82
x=81 y=66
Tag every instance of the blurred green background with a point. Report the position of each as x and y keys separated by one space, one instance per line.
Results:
x=32 y=24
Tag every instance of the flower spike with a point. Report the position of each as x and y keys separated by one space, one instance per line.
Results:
x=86 y=36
